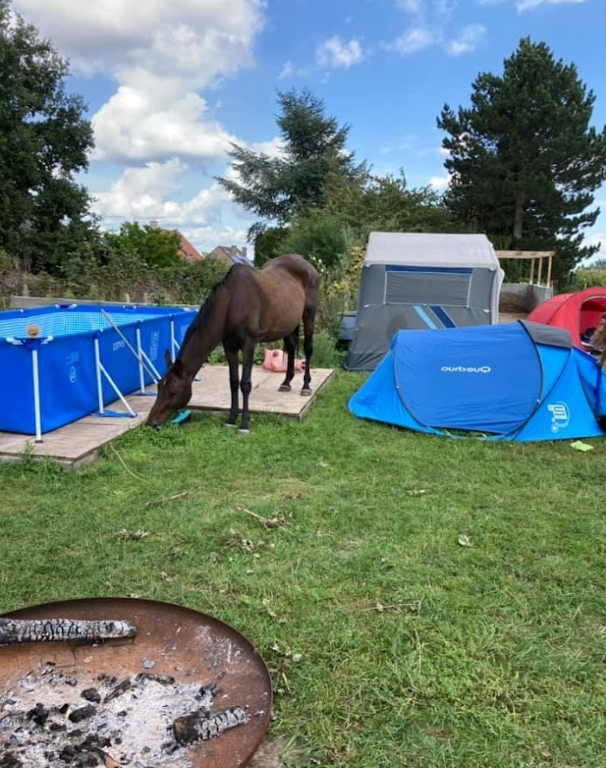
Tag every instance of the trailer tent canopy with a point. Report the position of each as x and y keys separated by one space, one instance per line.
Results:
x=422 y=281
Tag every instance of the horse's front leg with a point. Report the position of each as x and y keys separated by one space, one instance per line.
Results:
x=309 y=321
x=248 y=354
x=290 y=347
x=232 y=359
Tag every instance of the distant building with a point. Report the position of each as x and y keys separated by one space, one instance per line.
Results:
x=229 y=253
x=186 y=250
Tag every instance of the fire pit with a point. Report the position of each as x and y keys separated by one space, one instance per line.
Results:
x=186 y=691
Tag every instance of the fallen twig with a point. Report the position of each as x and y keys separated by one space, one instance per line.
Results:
x=167 y=498
x=266 y=522
x=130 y=472
x=380 y=608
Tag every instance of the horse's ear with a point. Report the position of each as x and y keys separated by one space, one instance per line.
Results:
x=167 y=358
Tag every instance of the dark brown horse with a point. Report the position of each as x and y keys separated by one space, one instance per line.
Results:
x=247 y=307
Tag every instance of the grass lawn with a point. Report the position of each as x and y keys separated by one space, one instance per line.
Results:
x=390 y=644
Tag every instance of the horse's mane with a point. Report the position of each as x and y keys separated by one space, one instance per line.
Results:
x=208 y=307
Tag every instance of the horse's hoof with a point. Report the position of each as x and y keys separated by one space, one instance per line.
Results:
x=244 y=431
x=306 y=392
x=284 y=388
x=229 y=426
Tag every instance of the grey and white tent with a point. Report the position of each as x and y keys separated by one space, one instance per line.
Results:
x=418 y=281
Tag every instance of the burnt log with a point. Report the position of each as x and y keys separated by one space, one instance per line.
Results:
x=202 y=726
x=144 y=677
x=119 y=689
x=91 y=694
x=10 y=761
x=51 y=630
x=83 y=713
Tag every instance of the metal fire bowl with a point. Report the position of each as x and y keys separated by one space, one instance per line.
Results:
x=186 y=644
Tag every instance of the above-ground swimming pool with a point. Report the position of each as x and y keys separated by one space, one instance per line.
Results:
x=60 y=363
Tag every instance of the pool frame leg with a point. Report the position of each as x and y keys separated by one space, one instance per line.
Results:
x=36 y=382
x=141 y=370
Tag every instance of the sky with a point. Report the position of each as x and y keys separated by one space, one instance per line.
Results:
x=169 y=86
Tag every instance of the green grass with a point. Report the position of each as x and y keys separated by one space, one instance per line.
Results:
x=389 y=643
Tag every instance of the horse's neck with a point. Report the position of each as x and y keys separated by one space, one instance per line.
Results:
x=205 y=337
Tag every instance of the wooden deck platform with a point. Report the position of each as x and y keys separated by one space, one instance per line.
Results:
x=77 y=444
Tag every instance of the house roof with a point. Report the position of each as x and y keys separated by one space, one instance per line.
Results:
x=230 y=253
x=188 y=250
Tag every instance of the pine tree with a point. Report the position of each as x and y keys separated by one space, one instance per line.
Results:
x=275 y=188
x=524 y=157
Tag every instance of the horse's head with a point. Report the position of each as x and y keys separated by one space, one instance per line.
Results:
x=174 y=392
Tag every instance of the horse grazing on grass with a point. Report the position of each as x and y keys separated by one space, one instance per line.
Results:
x=247 y=307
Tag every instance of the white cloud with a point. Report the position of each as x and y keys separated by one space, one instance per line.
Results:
x=141 y=192
x=207 y=238
x=598 y=238
x=432 y=22
x=287 y=71
x=272 y=148
x=444 y=152
x=136 y=126
x=160 y=55
x=467 y=41
x=525 y=5
x=144 y=194
x=336 y=53
x=184 y=37
x=439 y=183
x=415 y=39
x=411 y=6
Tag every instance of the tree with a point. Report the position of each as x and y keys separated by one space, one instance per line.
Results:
x=320 y=236
x=44 y=142
x=385 y=203
x=524 y=159
x=156 y=247
x=269 y=244
x=275 y=188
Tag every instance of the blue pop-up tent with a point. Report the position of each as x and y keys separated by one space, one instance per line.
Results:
x=517 y=381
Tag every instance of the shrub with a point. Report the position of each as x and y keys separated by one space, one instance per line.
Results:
x=589 y=278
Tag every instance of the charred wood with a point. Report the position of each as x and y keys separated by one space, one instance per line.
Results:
x=51 y=630
x=202 y=726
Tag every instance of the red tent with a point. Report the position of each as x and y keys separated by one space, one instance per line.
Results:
x=580 y=313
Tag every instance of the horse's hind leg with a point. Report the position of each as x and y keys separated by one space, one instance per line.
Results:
x=232 y=359
x=309 y=321
x=248 y=353
x=290 y=347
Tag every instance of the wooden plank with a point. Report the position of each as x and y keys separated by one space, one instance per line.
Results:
x=524 y=254
x=212 y=392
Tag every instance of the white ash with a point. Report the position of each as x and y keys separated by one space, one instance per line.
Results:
x=136 y=724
